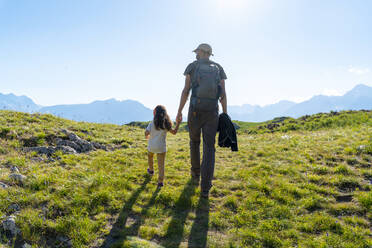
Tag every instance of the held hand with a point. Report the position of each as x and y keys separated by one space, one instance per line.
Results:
x=175 y=130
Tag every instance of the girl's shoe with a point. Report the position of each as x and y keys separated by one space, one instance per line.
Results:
x=160 y=185
x=150 y=172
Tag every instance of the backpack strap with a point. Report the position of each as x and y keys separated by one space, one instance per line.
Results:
x=194 y=79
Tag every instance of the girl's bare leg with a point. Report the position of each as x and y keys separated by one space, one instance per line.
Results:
x=161 y=161
x=150 y=158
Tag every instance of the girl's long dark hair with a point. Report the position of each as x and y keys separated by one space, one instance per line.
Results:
x=161 y=118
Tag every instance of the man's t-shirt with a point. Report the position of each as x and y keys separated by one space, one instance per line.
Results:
x=190 y=69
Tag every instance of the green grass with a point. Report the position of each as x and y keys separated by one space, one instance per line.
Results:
x=284 y=188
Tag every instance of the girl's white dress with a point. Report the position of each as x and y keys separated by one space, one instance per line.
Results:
x=157 y=140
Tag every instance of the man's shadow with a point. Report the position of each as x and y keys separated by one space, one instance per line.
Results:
x=118 y=231
x=176 y=227
x=199 y=230
x=175 y=231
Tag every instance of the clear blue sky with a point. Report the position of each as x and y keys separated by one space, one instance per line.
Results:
x=77 y=51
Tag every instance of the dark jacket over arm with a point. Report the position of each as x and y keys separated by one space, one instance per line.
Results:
x=227 y=133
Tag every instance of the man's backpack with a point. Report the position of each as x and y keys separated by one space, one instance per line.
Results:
x=205 y=87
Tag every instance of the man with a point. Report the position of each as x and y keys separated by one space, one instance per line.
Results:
x=206 y=79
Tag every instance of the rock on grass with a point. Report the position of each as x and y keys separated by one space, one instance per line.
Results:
x=3 y=185
x=9 y=225
x=17 y=177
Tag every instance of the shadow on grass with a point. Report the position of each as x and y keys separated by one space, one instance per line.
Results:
x=118 y=231
x=174 y=235
x=134 y=228
x=199 y=230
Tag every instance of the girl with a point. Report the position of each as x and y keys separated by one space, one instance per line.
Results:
x=156 y=133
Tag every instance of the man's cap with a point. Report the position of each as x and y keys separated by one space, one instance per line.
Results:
x=204 y=47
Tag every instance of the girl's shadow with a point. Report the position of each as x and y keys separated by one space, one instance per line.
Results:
x=119 y=232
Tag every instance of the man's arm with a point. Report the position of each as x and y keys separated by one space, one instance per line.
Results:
x=223 y=99
x=184 y=97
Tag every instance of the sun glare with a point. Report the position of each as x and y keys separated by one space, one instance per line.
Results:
x=232 y=4
x=235 y=8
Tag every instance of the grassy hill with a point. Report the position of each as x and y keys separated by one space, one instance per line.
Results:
x=294 y=183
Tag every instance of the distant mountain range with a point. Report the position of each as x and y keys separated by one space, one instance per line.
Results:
x=122 y=112
x=108 y=111
x=18 y=103
x=360 y=97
